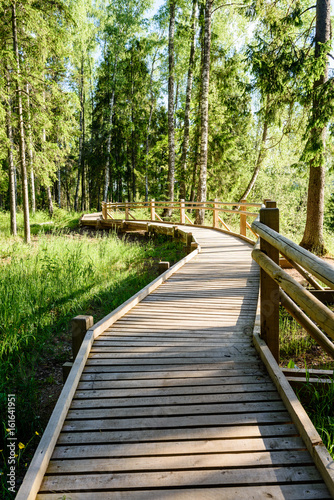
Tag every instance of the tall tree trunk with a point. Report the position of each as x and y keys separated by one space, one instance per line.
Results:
x=12 y=191
x=261 y=156
x=171 y=132
x=202 y=187
x=148 y=133
x=31 y=157
x=83 y=177
x=133 y=138
x=21 y=131
x=50 y=202
x=111 y=111
x=59 y=188
x=313 y=235
x=185 y=143
x=76 y=199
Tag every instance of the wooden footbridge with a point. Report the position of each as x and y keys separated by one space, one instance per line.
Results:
x=168 y=398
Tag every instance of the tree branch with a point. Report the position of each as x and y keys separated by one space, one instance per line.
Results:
x=309 y=8
x=228 y=5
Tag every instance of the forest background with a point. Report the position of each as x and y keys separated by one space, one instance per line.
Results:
x=204 y=99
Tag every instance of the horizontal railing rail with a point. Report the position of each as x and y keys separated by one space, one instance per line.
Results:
x=277 y=286
x=116 y=211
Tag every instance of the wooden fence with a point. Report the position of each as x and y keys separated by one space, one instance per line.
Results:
x=306 y=305
x=116 y=211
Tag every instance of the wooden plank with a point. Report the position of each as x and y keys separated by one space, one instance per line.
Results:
x=177 y=448
x=168 y=463
x=173 y=391
x=101 y=366
x=258 y=492
x=97 y=383
x=142 y=360
x=183 y=435
x=175 y=353
x=170 y=422
x=164 y=377
x=203 y=398
x=179 y=478
x=175 y=410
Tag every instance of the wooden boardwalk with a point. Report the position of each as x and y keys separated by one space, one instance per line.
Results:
x=174 y=402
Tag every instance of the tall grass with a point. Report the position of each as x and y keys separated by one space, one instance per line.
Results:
x=319 y=404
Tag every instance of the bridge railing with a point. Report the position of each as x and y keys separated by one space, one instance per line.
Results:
x=307 y=306
x=216 y=208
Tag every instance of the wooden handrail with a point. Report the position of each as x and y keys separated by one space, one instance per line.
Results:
x=271 y=274
x=109 y=209
x=306 y=259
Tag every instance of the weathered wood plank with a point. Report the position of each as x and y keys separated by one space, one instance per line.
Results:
x=169 y=463
x=167 y=422
x=181 y=435
x=173 y=391
x=179 y=478
x=202 y=398
x=96 y=383
x=152 y=411
x=258 y=492
x=179 y=448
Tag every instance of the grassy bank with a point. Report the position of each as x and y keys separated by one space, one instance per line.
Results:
x=297 y=348
x=42 y=286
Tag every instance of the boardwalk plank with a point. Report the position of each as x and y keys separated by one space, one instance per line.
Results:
x=282 y=492
x=179 y=478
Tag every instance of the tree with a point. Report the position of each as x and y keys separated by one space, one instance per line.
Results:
x=202 y=186
x=22 y=142
x=313 y=235
x=186 y=132
x=171 y=132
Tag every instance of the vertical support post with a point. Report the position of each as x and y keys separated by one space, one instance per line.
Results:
x=163 y=266
x=152 y=210
x=79 y=327
x=189 y=239
x=243 y=219
x=182 y=212
x=104 y=210
x=126 y=211
x=269 y=288
x=215 y=213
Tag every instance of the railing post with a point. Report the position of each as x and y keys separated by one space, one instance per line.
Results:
x=104 y=210
x=182 y=212
x=243 y=219
x=152 y=204
x=269 y=288
x=79 y=326
x=126 y=211
x=215 y=213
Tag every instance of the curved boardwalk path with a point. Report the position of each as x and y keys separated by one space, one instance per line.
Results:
x=174 y=402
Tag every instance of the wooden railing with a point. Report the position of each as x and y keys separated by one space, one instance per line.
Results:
x=115 y=211
x=277 y=286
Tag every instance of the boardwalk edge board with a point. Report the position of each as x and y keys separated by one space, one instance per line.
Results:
x=310 y=436
x=35 y=473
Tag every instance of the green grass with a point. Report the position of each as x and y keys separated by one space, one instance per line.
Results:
x=44 y=285
x=296 y=346
x=294 y=342
x=319 y=404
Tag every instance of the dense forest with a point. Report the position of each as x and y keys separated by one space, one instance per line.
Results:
x=191 y=99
